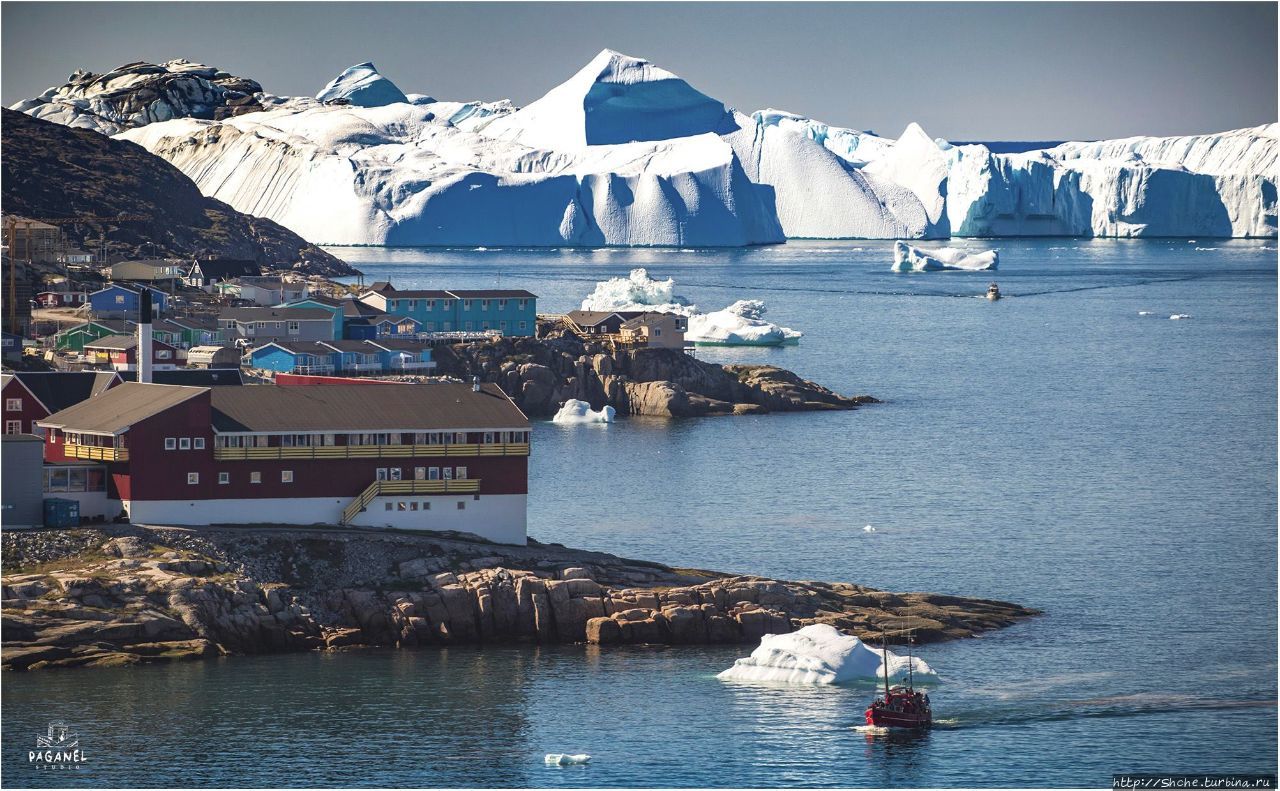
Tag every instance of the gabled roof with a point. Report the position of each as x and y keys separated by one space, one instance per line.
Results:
x=57 y=390
x=192 y=322
x=120 y=342
x=494 y=294
x=275 y=314
x=117 y=326
x=420 y=294
x=382 y=285
x=191 y=377
x=116 y=410
x=294 y=347
x=399 y=344
x=225 y=268
x=319 y=299
x=648 y=318
x=349 y=345
x=136 y=288
x=590 y=318
x=338 y=408
x=354 y=308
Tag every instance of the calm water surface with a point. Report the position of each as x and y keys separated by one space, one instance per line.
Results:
x=1056 y=448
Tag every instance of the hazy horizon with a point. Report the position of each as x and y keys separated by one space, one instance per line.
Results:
x=964 y=71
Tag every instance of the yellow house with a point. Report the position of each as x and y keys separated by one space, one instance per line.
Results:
x=655 y=330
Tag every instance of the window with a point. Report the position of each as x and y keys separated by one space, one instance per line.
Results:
x=468 y=326
x=198 y=443
x=170 y=443
x=13 y=427
x=381 y=474
x=446 y=303
x=286 y=476
x=431 y=304
x=522 y=304
x=433 y=473
x=426 y=505
x=119 y=299
x=224 y=477
x=413 y=506
x=395 y=473
x=419 y=473
x=164 y=354
x=461 y=474
x=413 y=304
x=184 y=443
x=448 y=473
x=193 y=478
x=502 y=304
x=388 y=506
x=466 y=304
x=462 y=505
x=255 y=477
x=484 y=304
x=484 y=325
x=488 y=437
x=295 y=327
x=460 y=438
x=657 y=331
x=502 y=325
x=524 y=325
x=400 y=506
x=13 y=405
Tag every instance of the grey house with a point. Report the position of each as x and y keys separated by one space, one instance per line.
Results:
x=271 y=324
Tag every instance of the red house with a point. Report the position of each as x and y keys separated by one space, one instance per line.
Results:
x=121 y=353
x=441 y=456
x=31 y=396
x=62 y=299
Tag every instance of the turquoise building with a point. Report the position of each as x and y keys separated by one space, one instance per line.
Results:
x=512 y=312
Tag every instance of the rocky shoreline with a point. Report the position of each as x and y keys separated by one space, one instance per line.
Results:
x=541 y=373
x=126 y=594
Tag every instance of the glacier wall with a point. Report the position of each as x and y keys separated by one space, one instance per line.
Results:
x=626 y=153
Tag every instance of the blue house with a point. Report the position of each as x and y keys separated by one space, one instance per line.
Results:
x=293 y=357
x=512 y=312
x=403 y=356
x=334 y=306
x=119 y=300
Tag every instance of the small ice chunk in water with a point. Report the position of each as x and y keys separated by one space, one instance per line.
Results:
x=1177 y=316
x=575 y=411
x=868 y=529
x=1144 y=313
x=564 y=759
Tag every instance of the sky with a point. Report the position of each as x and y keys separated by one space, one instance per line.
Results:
x=964 y=71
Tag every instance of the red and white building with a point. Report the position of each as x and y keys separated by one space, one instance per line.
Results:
x=441 y=456
x=120 y=353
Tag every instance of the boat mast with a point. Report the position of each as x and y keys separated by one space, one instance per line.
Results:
x=884 y=651
x=911 y=680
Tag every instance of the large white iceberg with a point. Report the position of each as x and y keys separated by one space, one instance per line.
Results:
x=575 y=411
x=739 y=324
x=909 y=258
x=819 y=654
x=627 y=153
x=362 y=86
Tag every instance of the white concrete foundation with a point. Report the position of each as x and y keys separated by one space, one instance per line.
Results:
x=497 y=517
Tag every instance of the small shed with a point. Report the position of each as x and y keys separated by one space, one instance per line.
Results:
x=213 y=357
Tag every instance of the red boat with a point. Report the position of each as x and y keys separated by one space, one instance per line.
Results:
x=900 y=706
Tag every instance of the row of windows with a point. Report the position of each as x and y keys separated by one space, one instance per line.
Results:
x=286 y=476
x=379 y=438
x=412 y=505
x=75 y=479
x=184 y=443
x=430 y=304
x=424 y=473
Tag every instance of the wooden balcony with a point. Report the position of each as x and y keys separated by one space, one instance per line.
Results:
x=372 y=451
x=94 y=453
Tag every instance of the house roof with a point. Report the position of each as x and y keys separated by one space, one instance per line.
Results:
x=349 y=345
x=116 y=410
x=445 y=405
x=118 y=326
x=294 y=347
x=120 y=342
x=381 y=286
x=590 y=318
x=192 y=322
x=320 y=299
x=134 y=287
x=224 y=268
x=645 y=318
x=57 y=390
x=191 y=377
x=398 y=344
x=420 y=294
x=154 y=263
x=494 y=294
x=276 y=314
x=355 y=308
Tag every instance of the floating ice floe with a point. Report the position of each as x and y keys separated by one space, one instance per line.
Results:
x=564 y=759
x=868 y=529
x=740 y=324
x=575 y=411
x=818 y=654
x=909 y=258
x=1177 y=316
x=1144 y=313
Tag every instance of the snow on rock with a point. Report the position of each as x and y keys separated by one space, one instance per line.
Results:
x=362 y=86
x=819 y=654
x=909 y=258
x=614 y=99
x=575 y=411
x=137 y=94
x=740 y=324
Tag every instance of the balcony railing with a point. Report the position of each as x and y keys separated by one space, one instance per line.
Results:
x=95 y=453
x=378 y=488
x=371 y=451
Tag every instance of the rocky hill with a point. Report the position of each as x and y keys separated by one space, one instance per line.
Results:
x=541 y=373
x=50 y=170
x=127 y=594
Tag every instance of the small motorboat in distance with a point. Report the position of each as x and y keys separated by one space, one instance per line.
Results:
x=993 y=292
x=901 y=706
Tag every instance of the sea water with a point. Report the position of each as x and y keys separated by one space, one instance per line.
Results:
x=1056 y=448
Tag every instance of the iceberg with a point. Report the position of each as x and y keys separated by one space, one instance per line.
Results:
x=575 y=411
x=909 y=258
x=363 y=86
x=819 y=654
x=565 y=759
x=740 y=324
x=627 y=153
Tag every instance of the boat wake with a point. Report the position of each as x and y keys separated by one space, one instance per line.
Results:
x=1094 y=708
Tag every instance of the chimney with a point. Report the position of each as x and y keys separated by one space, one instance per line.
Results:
x=475 y=384
x=144 y=336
